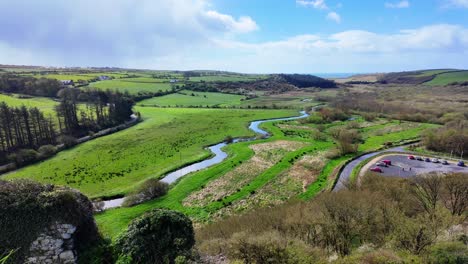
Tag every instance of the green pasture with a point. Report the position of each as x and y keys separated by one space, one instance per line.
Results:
x=133 y=87
x=190 y=98
x=448 y=78
x=166 y=140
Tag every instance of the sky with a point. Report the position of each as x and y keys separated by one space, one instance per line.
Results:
x=249 y=36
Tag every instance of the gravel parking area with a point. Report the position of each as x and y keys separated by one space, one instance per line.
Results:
x=404 y=167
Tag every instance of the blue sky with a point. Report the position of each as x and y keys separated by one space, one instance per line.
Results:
x=261 y=36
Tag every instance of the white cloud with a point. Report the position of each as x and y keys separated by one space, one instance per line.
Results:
x=456 y=3
x=318 y=4
x=244 y=24
x=356 y=50
x=400 y=4
x=191 y=34
x=334 y=17
x=107 y=32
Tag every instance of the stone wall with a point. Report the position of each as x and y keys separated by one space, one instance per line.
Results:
x=54 y=245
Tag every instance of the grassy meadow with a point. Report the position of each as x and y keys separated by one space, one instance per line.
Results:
x=46 y=105
x=448 y=78
x=132 y=86
x=190 y=98
x=166 y=139
x=227 y=188
x=228 y=78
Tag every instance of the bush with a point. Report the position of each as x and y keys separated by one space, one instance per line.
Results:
x=24 y=156
x=158 y=236
x=150 y=189
x=67 y=141
x=449 y=253
x=47 y=151
x=28 y=207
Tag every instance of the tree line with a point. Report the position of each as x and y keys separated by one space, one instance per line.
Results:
x=79 y=113
x=24 y=128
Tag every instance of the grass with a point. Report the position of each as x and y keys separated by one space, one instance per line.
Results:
x=375 y=142
x=228 y=78
x=432 y=72
x=114 y=221
x=448 y=78
x=298 y=101
x=189 y=98
x=133 y=87
x=166 y=140
x=46 y=105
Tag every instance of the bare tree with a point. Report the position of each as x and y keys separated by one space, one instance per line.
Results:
x=428 y=190
x=455 y=193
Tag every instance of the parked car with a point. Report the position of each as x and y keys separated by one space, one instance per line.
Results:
x=419 y=158
x=381 y=164
x=444 y=162
x=435 y=160
x=461 y=163
x=427 y=160
x=387 y=162
x=411 y=157
x=376 y=169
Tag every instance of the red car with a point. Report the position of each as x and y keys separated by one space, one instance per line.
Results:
x=411 y=157
x=387 y=162
x=376 y=169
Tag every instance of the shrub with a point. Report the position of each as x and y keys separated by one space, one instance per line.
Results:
x=67 y=141
x=449 y=253
x=24 y=156
x=47 y=151
x=150 y=189
x=28 y=207
x=158 y=236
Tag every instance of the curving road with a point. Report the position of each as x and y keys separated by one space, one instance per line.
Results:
x=348 y=169
x=400 y=162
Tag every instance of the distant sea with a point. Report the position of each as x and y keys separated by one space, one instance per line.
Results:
x=335 y=74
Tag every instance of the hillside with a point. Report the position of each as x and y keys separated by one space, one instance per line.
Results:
x=439 y=77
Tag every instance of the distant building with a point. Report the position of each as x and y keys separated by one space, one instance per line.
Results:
x=67 y=82
x=173 y=80
x=104 y=78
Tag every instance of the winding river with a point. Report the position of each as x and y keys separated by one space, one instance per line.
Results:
x=218 y=156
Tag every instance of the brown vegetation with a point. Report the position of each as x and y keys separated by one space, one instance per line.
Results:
x=401 y=217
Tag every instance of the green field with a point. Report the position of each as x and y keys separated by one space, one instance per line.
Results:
x=190 y=98
x=112 y=222
x=281 y=101
x=46 y=105
x=73 y=77
x=448 y=78
x=228 y=78
x=432 y=72
x=166 y=139
x=132 y=87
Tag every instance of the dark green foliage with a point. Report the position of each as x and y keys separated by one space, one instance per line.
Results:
x=27 y=208
x=100 y=252
x=24 y=156
x=159 y=236
x=29 y=85
x=23 y=128
x=306 y=80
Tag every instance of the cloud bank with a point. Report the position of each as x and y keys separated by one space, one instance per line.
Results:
x=190 y=34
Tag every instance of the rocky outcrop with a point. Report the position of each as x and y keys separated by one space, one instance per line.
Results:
x=54 y=245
